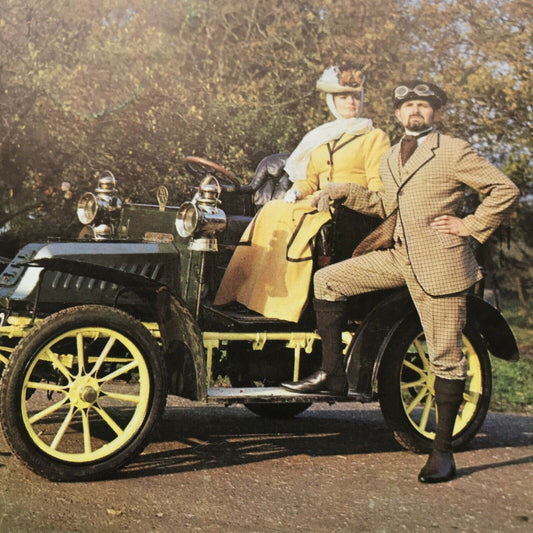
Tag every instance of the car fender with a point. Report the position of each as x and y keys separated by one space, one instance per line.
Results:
x=180 y=335
x=183 y=346
x=372 y=337
x=375 y=333
x=492 y=326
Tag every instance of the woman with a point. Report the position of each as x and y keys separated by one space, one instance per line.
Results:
x=271 y=269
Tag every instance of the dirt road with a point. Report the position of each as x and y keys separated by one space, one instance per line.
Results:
x=332 y=469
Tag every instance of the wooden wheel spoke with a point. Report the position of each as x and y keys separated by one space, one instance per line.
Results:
x=86 y=431
x=118 y=372
x=416 y=400
x=41 y=385
x=108 y=420
x=421 y=371
x=412 y=384
x=422 y=353
x=63 y=428
x=80 y=353
x=48 y=411
x=103 y=355
x=133 y=398
x=428 y=404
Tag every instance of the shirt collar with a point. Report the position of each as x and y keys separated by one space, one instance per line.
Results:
x=418 y=134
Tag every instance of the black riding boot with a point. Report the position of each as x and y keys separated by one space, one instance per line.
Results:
x=440 y=465
x=330 y=321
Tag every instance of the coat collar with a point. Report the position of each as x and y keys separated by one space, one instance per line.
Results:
x=424 y=153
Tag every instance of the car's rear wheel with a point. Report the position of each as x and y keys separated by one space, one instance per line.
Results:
x=82 y=392
x=268 y=368
x=278 y=410
x=407 y=395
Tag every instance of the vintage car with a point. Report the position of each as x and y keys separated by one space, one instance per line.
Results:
x=96 y=332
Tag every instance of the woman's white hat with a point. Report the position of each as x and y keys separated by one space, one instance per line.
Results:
x=339 y=79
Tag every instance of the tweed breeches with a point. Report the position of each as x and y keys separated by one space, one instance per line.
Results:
x=443 y=317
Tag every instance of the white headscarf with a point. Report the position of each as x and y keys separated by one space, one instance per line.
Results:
x=296 y=165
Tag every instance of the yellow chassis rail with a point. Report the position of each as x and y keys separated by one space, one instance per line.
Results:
x=16 y=328
x=297 y=341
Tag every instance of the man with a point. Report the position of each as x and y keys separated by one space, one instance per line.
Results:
x=428 y=250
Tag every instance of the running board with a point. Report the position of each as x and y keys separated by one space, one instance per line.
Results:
x=276 y=395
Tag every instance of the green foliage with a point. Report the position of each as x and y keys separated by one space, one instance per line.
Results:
x=513 y=382
x=133 y=87
x=512 y=385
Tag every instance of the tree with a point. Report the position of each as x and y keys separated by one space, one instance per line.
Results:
x=131 y=87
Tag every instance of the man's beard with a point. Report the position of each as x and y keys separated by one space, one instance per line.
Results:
x=419 y=125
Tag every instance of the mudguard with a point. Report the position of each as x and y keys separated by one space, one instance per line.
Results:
x=22 y=284
x=376 y=330
x=372 y=337
x=492 y=326
x=180 y=335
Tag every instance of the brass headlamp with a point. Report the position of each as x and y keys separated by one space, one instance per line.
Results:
x=100 y=210
x=201 y=218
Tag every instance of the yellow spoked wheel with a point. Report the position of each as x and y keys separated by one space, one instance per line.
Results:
x=407 y=394
x=81 y=393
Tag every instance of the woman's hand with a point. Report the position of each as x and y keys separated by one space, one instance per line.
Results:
x=332 y=191
x=292 y=195
x=450 y=224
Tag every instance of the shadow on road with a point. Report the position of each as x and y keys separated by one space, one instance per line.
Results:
x=202 y=438
x=468 y=471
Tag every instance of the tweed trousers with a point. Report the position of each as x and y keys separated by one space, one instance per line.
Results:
x=443 y=317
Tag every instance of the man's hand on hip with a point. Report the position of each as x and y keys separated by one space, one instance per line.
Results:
x=450 y=224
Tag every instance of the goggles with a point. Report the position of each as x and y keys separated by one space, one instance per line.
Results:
x=420 y=90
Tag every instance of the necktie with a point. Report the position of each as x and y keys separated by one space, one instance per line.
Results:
x=407 y=147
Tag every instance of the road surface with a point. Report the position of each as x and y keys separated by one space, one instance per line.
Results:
x=332 y=469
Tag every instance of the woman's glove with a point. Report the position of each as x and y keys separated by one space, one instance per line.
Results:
x=332 y=191
x=292 y=195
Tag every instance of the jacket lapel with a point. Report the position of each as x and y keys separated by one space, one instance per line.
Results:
x=393 y=163
x=424 y=153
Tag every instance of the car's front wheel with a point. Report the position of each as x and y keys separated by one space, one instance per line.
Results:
x=82 y=392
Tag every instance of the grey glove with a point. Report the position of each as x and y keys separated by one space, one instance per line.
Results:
x=332 y=191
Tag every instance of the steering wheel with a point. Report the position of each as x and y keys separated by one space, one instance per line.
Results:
x=200 y=167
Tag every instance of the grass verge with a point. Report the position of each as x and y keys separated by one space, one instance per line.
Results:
x=512 y=383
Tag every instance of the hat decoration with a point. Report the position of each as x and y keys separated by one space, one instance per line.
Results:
x=339 y=79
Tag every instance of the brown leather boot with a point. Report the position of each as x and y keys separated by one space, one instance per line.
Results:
x=440 y=465
x=330 y=321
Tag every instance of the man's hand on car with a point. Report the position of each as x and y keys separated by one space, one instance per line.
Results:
x=332 y=191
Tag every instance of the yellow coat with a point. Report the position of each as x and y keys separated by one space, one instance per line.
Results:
x=271 y=268
x=270 y=271
x=354 y=161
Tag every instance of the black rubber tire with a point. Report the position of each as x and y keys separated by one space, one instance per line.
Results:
x=412 y=429
x=277 y=410
x=95 y=373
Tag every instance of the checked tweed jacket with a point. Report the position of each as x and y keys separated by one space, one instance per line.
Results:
x=431 y=184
